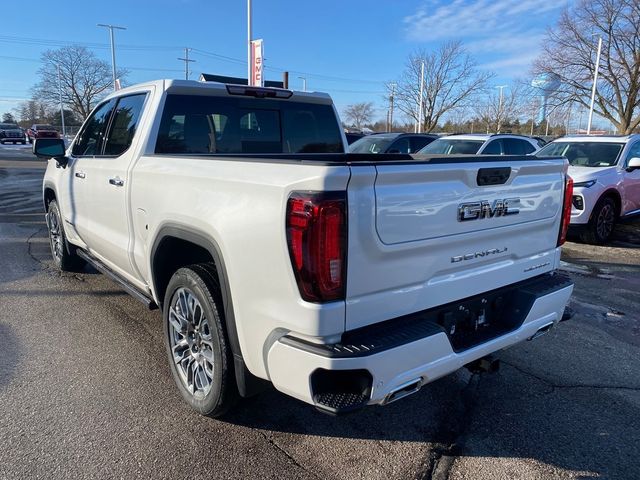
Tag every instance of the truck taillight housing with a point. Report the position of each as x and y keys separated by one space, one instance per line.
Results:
x=317 y=238
x=566 y=210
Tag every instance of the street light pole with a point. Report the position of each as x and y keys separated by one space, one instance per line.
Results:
x=593 y=89
x=249 y=35
x=391 y=98
x=64 y=133
x=501 y=87
x=113 y=50
x=304 y=83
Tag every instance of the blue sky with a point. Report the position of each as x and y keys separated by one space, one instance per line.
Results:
x=346 y=48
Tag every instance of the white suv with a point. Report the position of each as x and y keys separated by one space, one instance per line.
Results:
x=483 y=144
x=606 y=175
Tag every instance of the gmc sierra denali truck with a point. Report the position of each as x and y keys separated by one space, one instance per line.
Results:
x=342 y=279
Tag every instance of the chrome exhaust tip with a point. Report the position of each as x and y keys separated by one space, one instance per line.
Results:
x=541 y=331
x=403 y=390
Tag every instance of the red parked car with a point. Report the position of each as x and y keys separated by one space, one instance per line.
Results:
x=41 y=131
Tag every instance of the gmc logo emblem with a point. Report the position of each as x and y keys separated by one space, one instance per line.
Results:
x=483 y=209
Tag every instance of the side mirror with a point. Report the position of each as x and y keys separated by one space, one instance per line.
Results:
x=50 y=148
x=634 y=164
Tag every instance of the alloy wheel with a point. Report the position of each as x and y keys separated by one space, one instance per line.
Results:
x=191 y=342
x=606 y=219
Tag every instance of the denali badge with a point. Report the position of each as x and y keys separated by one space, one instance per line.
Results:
x=482 y=209
x=483 y=253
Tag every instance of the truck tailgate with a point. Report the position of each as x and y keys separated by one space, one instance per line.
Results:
x=427 y=233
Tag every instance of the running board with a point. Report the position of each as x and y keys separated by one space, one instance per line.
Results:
x=126 y=286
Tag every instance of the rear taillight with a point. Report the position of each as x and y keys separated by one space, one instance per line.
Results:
x=316 y=235
x=566 y=210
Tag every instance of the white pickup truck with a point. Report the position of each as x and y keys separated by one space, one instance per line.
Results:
x=342 y=279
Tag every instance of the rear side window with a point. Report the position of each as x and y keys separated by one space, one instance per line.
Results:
x=399 y=146
x=513 y=146
x=418 y=143
x=494 y=148
x=196 y=124
x=89 y=142
x=124 y=123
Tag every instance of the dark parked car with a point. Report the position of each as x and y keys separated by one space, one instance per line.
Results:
x=10 y=132
x=392 y=143
x=41 y=131
x=352 y=137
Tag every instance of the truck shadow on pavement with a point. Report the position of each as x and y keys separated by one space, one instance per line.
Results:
x=10 y=353
x=590 y=430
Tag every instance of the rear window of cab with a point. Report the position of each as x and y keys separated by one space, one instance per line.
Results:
x=197 y=124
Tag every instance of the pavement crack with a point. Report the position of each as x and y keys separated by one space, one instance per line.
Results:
x=555 y=386
x=288 y=455
x=443 y=455
x=29 y=252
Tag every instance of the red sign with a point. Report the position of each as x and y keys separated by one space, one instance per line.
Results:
x=257 y=64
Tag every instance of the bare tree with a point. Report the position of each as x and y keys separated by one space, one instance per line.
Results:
x=84 y=79
x=569 y=53
x=32 y=111
x=451 y=79
x=359 y=114
x=8 y=118
x=494 y=111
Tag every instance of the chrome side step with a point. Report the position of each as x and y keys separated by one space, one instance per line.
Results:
x=126 y=286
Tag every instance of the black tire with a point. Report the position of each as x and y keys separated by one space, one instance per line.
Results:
x=601 y=223
x=200 y=341
x=63 y=253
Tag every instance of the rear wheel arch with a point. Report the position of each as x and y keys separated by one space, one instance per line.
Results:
x=202 y=248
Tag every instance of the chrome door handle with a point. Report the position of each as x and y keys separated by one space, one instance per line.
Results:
x=80 y=174
x=116 y=181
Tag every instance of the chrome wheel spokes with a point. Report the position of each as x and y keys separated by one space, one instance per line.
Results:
x=191 y=342
x=55 y=235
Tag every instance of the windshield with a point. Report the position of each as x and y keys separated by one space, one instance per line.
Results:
x=449 y=146
x=371 y=144
x=584 y=154
x=8 y=126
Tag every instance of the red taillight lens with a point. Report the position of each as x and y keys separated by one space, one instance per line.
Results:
x=566 y=210
x=316 y=234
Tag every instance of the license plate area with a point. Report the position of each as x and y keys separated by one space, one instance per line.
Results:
x=481 y=318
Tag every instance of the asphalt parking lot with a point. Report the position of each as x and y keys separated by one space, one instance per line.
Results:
x=85 y=391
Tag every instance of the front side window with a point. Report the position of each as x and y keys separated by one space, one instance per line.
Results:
x=452 y=146
x=197 y=124
x=634 y=151
x=124 y=123
x=584 y=154
x=89 y=141
x=399 y=146
x=371 y=144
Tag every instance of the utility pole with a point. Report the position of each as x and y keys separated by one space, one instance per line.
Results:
x=593 y=89
x=113 y=50
x=501 y=87
x=419 y=129
x=249 y=59
x=64 y=133
x=393 y=92
x=304 y=83
x=186 y=61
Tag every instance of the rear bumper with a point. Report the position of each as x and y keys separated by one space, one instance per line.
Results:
x=416 y=351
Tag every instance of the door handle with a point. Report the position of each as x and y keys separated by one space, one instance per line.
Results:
x=80 y=174
x=118 y=182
